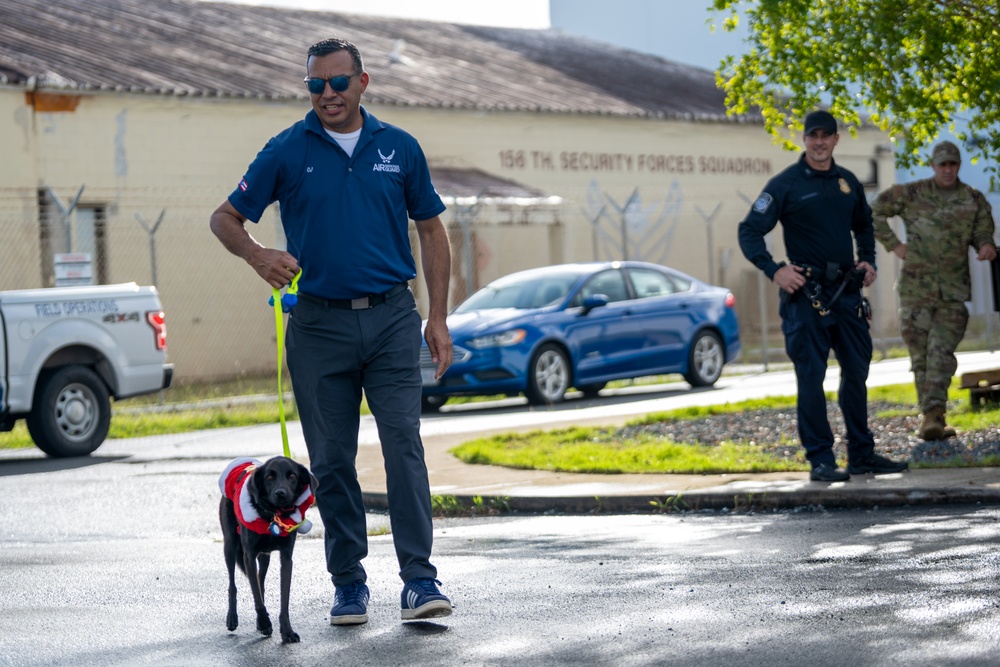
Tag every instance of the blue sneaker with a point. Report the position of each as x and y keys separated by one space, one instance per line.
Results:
x=350 y=605
x=421 y=599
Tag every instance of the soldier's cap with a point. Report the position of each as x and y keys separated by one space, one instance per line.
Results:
x=945 y=152
x=820 y=120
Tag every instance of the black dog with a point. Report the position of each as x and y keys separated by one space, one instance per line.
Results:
x=262 y=510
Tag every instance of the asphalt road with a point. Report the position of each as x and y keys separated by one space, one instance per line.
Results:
x=617 y=404
x=117 y=560
x=120 y=563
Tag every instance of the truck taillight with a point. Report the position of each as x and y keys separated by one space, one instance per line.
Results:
x=157 y=320
x=730 y=300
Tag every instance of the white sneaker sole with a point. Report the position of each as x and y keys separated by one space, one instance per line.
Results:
x=432 y=609
x=356 y=619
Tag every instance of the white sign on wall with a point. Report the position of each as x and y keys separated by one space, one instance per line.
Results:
x=73 y=268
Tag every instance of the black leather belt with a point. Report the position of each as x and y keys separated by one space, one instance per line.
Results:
x=361 y=303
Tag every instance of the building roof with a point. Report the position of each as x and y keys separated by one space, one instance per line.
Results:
x=207 y=49
x=474 y=186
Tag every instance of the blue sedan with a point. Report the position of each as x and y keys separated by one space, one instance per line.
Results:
x=542 y=331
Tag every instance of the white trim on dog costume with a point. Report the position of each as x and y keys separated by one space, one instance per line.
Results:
x=232 y=484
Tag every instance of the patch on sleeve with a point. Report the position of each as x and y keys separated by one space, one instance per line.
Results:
x=763 y=203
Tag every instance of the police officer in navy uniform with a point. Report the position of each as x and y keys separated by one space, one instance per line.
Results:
x=824 y=215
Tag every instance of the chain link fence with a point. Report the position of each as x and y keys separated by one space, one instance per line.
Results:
x=219 y=323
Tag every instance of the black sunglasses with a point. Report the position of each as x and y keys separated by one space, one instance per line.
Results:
x=339 y=84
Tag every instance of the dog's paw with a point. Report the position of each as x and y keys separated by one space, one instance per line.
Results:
x=232 y=621
x=264 y=625
x=289 y=637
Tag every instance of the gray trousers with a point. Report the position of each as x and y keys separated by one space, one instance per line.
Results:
x=334 y=354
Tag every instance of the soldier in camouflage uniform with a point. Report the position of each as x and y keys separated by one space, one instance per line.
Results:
x=943 y=217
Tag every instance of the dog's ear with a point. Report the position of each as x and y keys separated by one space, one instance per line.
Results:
x=256 y=486
x=307 y=478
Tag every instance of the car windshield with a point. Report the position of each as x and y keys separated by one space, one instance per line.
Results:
x=522 y=292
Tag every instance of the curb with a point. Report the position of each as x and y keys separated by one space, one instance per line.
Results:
x=697 y=501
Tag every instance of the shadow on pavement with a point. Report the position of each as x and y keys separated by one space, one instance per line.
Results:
x=33 y=465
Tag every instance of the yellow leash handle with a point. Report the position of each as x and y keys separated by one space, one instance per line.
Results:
x=283 y=304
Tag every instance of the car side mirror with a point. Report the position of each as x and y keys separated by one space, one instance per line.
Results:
x=594 y=301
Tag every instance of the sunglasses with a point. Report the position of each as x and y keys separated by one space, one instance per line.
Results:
x=339 y=84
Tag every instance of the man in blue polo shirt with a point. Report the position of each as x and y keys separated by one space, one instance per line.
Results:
x=347 y=185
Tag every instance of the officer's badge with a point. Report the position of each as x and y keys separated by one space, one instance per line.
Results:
x=763 y=202
x=845 y=187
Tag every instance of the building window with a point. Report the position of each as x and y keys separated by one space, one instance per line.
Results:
x=77 y=231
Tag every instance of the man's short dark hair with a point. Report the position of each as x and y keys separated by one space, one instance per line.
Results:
x=334 y=44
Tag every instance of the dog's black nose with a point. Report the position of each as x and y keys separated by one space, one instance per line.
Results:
x=281 y=495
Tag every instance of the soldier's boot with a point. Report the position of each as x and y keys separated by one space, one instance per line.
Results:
x=947 y=431
x=933 y=426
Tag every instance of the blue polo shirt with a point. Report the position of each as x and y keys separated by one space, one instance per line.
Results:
x=346 y=219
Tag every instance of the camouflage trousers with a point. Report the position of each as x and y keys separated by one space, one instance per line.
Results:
x=932 y=331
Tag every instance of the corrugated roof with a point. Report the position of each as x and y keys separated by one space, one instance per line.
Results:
x=183 y=47
x=474 y=186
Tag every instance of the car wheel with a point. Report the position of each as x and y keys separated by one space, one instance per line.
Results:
x=71 y=414
x=549 y=376
x=591 y=390
x=705 y=360
x=432 y=403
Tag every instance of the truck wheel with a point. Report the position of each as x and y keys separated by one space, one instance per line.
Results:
x=71 y=414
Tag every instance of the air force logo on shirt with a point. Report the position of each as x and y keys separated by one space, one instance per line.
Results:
x=763 y=203
x=386 y=164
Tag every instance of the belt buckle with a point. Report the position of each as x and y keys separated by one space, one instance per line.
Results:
x=361 y=304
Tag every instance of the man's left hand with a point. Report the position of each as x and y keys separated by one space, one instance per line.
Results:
x=987 y=253
x=439 y=344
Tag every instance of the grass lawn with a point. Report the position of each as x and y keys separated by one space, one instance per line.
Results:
x=602 y=450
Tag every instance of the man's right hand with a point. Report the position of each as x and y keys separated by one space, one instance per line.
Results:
x=277 y=267
x=789 y=278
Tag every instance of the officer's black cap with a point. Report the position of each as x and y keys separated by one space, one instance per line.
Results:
x=821 y=120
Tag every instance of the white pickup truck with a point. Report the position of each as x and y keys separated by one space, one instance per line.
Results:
x=66 y=351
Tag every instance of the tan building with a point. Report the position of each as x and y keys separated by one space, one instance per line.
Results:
x=124 y=123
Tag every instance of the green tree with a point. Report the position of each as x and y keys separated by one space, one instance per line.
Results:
x=911 y=67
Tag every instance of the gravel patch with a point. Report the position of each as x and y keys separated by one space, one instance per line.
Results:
x=776 y=432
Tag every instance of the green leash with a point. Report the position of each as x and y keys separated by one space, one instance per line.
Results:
x=283 y=304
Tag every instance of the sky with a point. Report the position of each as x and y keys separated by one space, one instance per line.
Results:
x=506 y=13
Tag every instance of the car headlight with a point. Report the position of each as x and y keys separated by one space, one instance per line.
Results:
x=512 y=337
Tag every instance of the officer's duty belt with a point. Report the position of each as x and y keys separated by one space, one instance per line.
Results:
x=830 y=276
